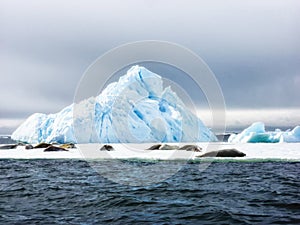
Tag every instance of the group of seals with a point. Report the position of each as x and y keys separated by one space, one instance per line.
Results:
x=48 y=147
x=194 y=148
x=51 y=148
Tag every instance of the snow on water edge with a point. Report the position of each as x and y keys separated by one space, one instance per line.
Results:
x=254 y=152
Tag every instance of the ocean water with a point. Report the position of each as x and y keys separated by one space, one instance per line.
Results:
x=60 y=191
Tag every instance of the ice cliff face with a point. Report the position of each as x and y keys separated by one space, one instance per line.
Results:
x=256 y=133
x=135 y=109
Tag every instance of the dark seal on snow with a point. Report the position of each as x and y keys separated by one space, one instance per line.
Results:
x=154 y=147
x=27 y=147
x=224 y=153
x=12 y=146
x=42 y=145
x=54 y=149
x=107 y=148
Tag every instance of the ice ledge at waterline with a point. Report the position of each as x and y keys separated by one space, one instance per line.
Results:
x=136 y=109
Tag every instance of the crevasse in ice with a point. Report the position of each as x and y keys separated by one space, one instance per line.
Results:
x=256 y=133
x=136 y=109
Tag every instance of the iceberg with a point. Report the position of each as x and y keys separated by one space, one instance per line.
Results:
x=135 y=109
x=256 y=133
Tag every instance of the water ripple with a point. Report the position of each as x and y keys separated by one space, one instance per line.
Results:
x=69 y=191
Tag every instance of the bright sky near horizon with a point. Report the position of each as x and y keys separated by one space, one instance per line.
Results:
x=252 y=46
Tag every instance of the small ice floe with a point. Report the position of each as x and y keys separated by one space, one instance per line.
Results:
x=256 y=133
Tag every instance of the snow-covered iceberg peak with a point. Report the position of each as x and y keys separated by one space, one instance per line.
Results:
x=256 y=133
x=136 y=109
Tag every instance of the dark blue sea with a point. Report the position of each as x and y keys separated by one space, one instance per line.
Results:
x=226 y=192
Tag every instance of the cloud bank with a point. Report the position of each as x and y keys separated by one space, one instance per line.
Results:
x=252 y=46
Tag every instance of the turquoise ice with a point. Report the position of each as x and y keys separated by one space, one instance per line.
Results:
x=256 y=133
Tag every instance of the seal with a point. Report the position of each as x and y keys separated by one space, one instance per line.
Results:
x=27 y=147
x=54 y=149
x=154 y=147
x=42 y=145
x=194 y=148
x=12 y=146
x=107 y=148
x=224 y=153
x=68 y=145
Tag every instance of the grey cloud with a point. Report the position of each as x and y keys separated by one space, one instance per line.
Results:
x=251 y=46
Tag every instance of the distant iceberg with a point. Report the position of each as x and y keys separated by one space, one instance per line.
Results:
x=256 y=133
x=115 y=116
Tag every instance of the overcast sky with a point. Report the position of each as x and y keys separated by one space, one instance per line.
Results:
x=252 y=46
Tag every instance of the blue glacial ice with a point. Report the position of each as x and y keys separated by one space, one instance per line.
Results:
x=136 y=109
x=256 y=133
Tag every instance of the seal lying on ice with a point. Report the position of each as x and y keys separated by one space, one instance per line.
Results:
x=42 y=145
x=107 y=148
x=154 y=147
x=11 y=146
x=224 y=153
x=193 y=148
x=55 y=149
